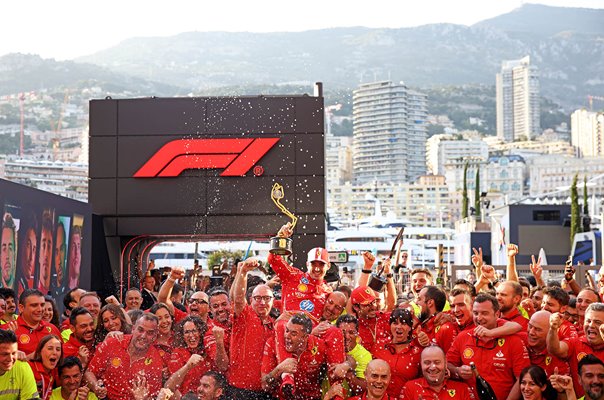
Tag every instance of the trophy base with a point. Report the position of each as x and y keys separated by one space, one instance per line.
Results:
x=281 y=246
x=377 y=282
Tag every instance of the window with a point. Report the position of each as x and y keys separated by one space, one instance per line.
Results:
x=546 y=215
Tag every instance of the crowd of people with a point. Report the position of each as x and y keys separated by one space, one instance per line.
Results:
x=527 y=338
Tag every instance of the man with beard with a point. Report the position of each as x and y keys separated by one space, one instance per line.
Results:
x=81 y=341
x=221 y=323
x=7 y=252
x=308 y=354
x=537 y=345
x=435 y=384
x=499 y=360
x=212 y=386
x=29 y=327
x=75 y=256
x=374 y=325
x=377 y=376
x=591 y=377
x=119 y=362
x=431 y=301
x=70 y=375
x=573 y=349
x=585 y=297
x=555 y=300
x=509 y=296
x=9 y=312
x=59 y=261
x=45 y=256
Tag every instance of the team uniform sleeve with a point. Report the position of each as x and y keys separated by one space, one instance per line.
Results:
x=28 y=388
x=334 y=342
x=283 y=270
x=445 y=336
x=454 y=353
x=269 y=357
x=408 y=392
x=520 y=357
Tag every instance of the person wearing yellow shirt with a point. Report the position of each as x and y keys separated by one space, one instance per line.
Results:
x=16 y=377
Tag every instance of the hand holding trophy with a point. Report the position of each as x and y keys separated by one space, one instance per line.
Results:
x=281 y=244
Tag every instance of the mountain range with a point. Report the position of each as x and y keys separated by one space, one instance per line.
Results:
x=566 y=44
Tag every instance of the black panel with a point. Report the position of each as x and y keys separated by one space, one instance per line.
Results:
x=103 y=118
x=103 y=160
x=104 y=193
x=249 y=195
x=250 y=115
x=309 y=114
x=160 y=116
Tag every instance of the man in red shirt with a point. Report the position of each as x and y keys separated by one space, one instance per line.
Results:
x=585 y=297
x=555 y=300
x=120 y=362
x=574 y=349
x=537 y=345
x=252 y=328
x=222 y=317
x=509 y=296
x=377 y=376
x=309 y=353
x=374 y=325
x=81 y=341
x=432 y=301
x=498 y=360
x=29 y=327
x=434 y=384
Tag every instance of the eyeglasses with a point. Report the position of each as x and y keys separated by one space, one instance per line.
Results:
x=574 y=317
x=265 y=299
x=197 y=301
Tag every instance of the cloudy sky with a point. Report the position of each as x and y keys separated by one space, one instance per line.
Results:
x=65 y=29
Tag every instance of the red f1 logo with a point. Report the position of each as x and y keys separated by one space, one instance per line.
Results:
x=236 y=156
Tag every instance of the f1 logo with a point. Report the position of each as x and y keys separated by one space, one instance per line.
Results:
x=236 y=156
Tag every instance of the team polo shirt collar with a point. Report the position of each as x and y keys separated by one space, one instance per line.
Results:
x=21 y=322
x=513 y=313
x=595 y=348
x=426 y=385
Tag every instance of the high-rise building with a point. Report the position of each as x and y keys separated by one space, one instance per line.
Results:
x=389 y=131
x=517 y=87
x=587 y=132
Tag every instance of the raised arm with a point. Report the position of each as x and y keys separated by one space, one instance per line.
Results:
x=240 y=284
x=537 y=270
x=554 y=345
x=165 y=291
x=390 y=293
x=511 y=272
x=368 y=259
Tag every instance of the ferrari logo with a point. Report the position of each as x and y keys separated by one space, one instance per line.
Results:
x=501 y=342
x=452 y=392
x=314 y=350
x=437 y=329
x=148 y=361
x=548 y=360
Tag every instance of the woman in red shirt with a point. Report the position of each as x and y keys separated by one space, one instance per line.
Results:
x=400 y=353
x=189 y=359
x=165 y=337
x=112 y=318
x=47 y=356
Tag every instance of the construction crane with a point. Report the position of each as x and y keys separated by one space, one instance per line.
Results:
x=21 y=97
x=56 y=141
x=591 y=99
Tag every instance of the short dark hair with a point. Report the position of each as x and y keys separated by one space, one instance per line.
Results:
x=347 y=319
x=76 y=312
x=7 y=293
x=219 y=290
x=572 y=303
x=69 y=298
x=177 y=289
x=589 y=359
x=471 y=289
x=8 y=222
x=220 y=380
x=421 y=271
x=401 y=315
x=524 y=283
x=436 y=294
x=69 y=362
x=7 y=337
x=557 y=294
x=302 y=319
x=483 y=298
x=28 y=293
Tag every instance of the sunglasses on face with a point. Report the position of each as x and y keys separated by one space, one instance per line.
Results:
x=197 y=301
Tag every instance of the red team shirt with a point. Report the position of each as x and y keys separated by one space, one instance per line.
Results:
x=548 y=362
x=418 y=389
x=307 y=377
x=247 y=346
x=441 y=335
x=112 y=363
x=514 y=316
x=404 y=366
x=28 y=338
x=299 y=290
x=372 y=331
x=578 y=348
x=499 y=361
x=178 y=358
x=72 y=347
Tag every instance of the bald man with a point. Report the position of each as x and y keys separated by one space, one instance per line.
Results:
x=434 y=383
x=537 y=345
x=377 y=376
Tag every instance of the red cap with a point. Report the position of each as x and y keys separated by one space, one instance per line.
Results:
x=363 y=295
x=318 y=254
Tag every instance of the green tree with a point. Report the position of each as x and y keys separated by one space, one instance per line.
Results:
x=477 y=193
x=585 y=205
x=217 y=257
x=464 y=204
x=575 y=218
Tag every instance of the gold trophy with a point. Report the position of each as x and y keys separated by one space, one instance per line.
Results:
x=281 y=246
